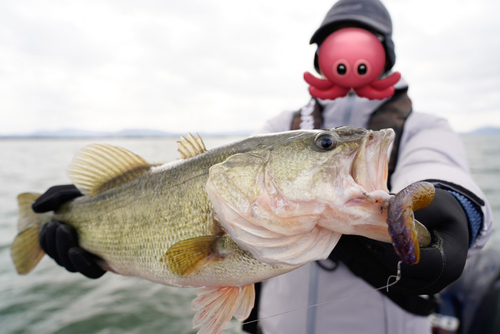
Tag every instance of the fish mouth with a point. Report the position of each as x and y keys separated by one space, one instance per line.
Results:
x=370 y=165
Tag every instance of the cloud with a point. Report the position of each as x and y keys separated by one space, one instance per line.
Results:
x=448 y=53
x=221 y=65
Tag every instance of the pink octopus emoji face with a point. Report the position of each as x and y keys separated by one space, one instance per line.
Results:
x=351 y=58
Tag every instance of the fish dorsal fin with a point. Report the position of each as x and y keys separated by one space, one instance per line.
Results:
x=97 y=168
x=190 y=146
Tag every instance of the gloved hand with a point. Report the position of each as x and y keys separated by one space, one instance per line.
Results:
x=440 y=264
x=54 y=197
x=60 y=241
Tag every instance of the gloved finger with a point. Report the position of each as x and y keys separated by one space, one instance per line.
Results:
x=66 y=238
x=54 y=197
x=48 y=240
x=85 y=263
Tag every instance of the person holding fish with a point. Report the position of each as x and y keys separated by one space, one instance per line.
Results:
x=425 y=148
x=344 y=291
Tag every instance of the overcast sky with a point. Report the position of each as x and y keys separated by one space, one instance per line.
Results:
x=222 y=65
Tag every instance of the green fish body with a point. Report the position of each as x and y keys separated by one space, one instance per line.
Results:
x=221 y=219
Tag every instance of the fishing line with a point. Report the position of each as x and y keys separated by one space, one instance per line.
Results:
x=396 y=278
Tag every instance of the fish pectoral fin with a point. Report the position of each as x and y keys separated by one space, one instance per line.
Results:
x=187 y=257
x=190 y=147
x=97 y=168
x=216 y=306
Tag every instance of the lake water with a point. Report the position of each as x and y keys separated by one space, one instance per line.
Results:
x=51 y=300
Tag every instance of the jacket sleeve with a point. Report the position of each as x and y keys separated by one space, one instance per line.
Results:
x=279 y=123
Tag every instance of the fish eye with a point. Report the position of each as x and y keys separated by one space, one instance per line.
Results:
x=325 y=142
x=341 y=69
x=362 y=69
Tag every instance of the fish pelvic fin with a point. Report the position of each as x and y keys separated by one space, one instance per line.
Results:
x=190 y=146
x=185 y=258
x=25 y=250
x=216 y=306
x=97 y=168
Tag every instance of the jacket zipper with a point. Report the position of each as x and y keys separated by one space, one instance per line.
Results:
x=348 y=108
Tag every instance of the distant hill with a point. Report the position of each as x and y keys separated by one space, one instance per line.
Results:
x=486 y=130
x=148 y=133
x=128 y=133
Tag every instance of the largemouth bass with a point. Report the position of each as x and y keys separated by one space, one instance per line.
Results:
x=229 y=217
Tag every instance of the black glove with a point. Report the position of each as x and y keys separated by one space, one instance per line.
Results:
x=54 y=197
x=60 y=241
x=440 y=264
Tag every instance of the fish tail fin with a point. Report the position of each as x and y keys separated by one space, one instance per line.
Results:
x=25 y=250
x=216 y=306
